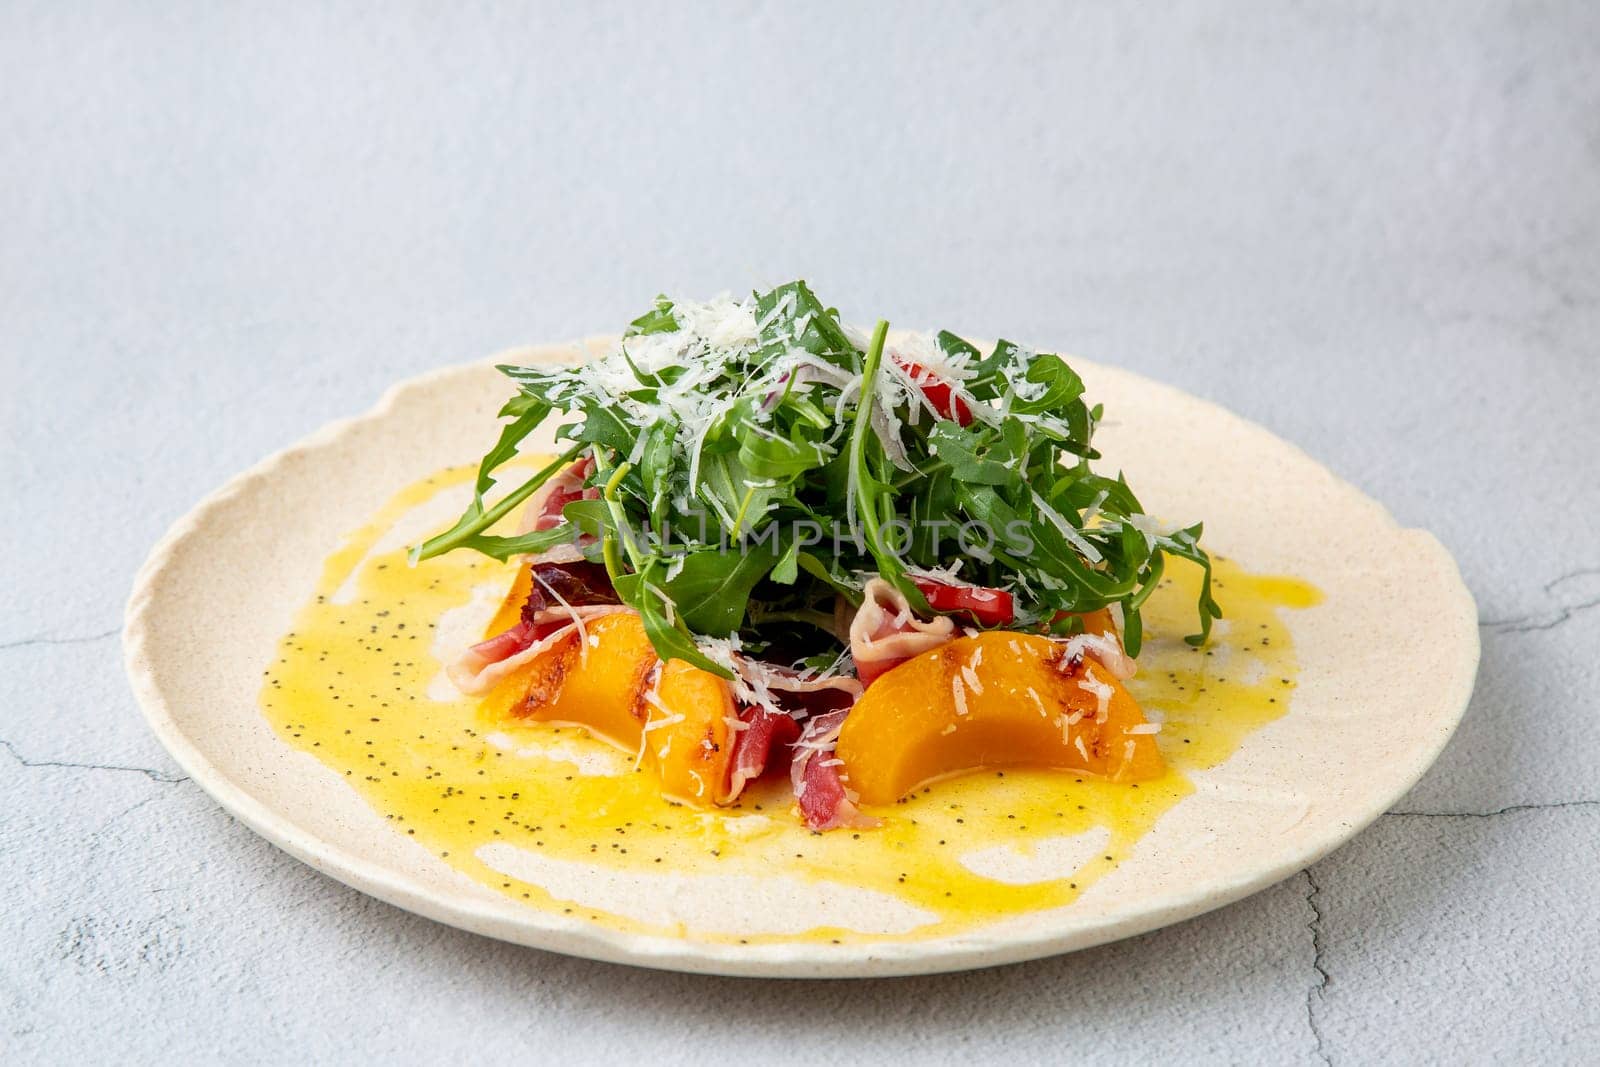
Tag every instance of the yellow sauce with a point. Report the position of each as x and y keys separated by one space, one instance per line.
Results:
x=351 y=686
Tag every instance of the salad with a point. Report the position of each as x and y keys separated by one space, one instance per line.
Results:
x=776 y=545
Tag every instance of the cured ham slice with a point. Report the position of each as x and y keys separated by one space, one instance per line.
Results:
x=885 y=633
x=559 y=592
x=465 y=673
x=774 y=701
x=544 y=508
x=826 y=802
x=765 y=734
x=481 y=667
x=546 y=600
x=543 y=511
x=802 y=694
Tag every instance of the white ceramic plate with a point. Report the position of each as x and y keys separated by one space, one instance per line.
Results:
x=1378 y=694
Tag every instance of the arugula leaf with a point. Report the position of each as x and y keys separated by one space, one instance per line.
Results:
x=668 y=634
x=767 y=455
x=964 y=452
x=503 y=548
x=787 y=569
x=658 y=319
x=953 y=346
x=711 y=588
x=655 y=468
x=1061 y=385
x=792 y=316
x=606 y=428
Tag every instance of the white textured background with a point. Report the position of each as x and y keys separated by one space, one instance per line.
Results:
x=1374 y=228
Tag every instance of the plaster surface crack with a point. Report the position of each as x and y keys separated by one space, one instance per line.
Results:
x=1553 y=805
x=28 y=642
x=1319 y=983
x=149 y=772
x=1562 y=611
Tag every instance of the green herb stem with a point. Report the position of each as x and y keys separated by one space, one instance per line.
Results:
x=471 y=524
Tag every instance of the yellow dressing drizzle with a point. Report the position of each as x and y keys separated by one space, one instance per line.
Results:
x=356 y=684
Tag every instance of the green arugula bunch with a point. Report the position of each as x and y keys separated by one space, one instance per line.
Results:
x=726 y=436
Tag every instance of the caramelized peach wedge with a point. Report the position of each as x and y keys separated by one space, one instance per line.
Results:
x=995 y=700
x=605 y=678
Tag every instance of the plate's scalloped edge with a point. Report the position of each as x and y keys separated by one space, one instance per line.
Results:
x=539 y=929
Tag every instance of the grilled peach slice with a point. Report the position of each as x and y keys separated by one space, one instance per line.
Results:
x=690 y=743
x=598 y=684
x=601 y=685
x=992 y=700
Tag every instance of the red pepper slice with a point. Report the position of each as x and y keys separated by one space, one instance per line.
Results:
x=990 y=607
x=939 y=393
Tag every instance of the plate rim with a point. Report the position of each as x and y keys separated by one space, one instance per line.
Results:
x=537 y=928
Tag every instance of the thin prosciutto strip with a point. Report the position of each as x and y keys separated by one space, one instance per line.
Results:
x=806 y=694
x=557 y=587
x=776 y=697
x=764 y=733
x=543 y=511
x=496 y=649
x=562 y=595
x=885 y=633
x=481 y=667
x=819 y=786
